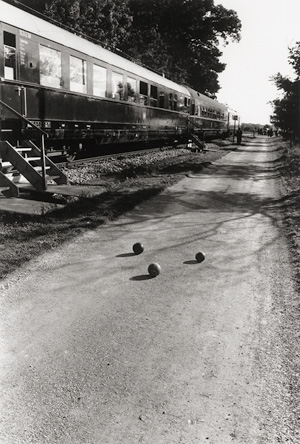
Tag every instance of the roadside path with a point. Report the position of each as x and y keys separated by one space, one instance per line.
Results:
x=95 y=352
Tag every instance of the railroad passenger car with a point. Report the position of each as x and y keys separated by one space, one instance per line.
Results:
x=207 y=115
x=86 y=97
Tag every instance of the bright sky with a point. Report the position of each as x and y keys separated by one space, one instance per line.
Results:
x=269 y=28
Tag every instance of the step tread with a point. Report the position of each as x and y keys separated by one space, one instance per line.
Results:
x=6 y=164
x=29 y=159
x=39 y=168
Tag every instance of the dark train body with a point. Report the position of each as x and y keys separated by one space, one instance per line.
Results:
x=86 y=97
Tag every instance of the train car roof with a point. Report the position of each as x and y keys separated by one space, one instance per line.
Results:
x=206 y=100
x=25 y=21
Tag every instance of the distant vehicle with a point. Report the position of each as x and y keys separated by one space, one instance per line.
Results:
x=87 y=98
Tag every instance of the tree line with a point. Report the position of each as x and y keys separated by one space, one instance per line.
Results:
x=286 y=108
x=180 y=39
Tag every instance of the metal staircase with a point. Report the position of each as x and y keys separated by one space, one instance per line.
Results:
x=26 y=167
x=197 y=141
x=196 y=135
x=21 y=169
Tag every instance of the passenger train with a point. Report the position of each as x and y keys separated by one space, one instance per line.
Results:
x=87 y=98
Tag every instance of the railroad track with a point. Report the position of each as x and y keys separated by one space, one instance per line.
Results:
x=104 y=157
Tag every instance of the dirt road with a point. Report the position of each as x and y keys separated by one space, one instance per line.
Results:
x=95 y=352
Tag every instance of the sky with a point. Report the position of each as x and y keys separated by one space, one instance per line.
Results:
x=269 y=28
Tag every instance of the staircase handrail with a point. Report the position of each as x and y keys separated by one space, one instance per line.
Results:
x=22 y=117
x=197 y=125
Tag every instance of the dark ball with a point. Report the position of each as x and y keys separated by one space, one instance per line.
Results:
x=154 y=270
x=138 y=248
x=200 y=256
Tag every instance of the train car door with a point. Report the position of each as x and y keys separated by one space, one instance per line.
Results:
x=12 y=92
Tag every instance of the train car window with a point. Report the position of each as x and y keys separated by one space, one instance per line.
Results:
x=99 y=81
x=170 y=101
x=77 y=75
x=153 y=95
x=9 y=55
x=50 y=67
x=117 y=89
x=131 y=89
x=162 y=99
x=175 y=102
x=144 y=93
x=183 y=107
x=181 y=103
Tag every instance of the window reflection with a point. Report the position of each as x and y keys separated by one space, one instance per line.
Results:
x=50 y=67
x=77 y=75
x=117 y=86
x=99 y=84
x=131 y=89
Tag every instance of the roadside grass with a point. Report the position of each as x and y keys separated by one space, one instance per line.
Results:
x=289 y=307
x=291 y=178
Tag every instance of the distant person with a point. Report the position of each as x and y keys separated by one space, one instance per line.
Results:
x=239 y=136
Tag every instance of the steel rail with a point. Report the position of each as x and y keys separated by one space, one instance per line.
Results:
x=110 y=156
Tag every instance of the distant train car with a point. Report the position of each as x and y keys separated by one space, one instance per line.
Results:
x=207 y=115
x=86 y=97
x=233 y=121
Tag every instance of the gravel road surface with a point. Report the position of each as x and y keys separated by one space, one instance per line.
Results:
x=94 y=351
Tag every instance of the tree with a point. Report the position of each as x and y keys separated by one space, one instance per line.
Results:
x=106 y=21
x=286 y=110
x=180 y=38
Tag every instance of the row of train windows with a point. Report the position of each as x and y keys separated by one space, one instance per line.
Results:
x=211 y=113
x=50 y=74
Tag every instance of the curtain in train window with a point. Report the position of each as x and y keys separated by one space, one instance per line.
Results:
x=50 y=67
x=144 y=93
x=9 y=55
x=99 y=81
x=117 y=86
x=131 y=89
x=175 y=102
x=161 y=99
x=77 y=75
x=153 y=95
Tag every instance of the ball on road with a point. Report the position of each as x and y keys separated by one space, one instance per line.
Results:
x=154 y=270
x=138 y=248
x=200 y=256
